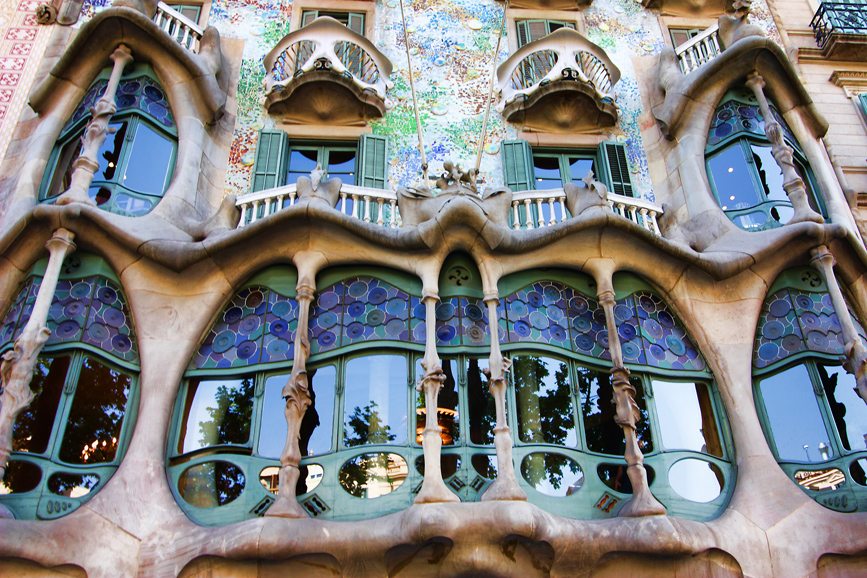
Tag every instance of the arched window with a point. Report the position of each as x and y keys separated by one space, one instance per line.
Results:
x=814 y=420
x=742 y=172
x=70 y=440
x=137 y=157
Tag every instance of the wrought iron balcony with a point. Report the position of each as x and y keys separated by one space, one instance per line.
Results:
x=699 y=49
x=841 y=30
x=560 y=83
x=326 y=73
x=179 y=27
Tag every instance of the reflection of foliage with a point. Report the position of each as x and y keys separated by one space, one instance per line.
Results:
x=63 y=484
x=367 y=427
x=96 y=416
x=357 y=473
x=230 y=419
x=211 y=484
x=481 y=410
x=32 y=429
x=537 y=467
x=603 y=434
x=543 y=417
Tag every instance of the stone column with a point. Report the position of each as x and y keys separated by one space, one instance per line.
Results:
x=297 y=397
x=627 y=414
x=856 y=352
x=505 y=487
x=16 y=369
x=87 y=163
x=792 y=183
x=433 y=488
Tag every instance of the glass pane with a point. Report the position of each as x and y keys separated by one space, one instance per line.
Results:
x=373 y=475
x=794 y=416
x=449 y=465
x=547 y=172
x=218 y=412
x=485 y=465
x=597 y=400
x=820 y=480
x=544 y=401
x=32 y=429
x=211 y=484
x=770 y=174
x=847 y=407
x=311 y=475
x=696 y=480
x=376 y=389
x=301 y=163
x=858 y=470
x=132 y=205
x=96 y=416
x=62 y=177
x=731 y=176
x=578 y=169
x=448 y=414
x=72 y=485
x=686 y=419
x=552 y=474
x=109 y=153
x=20 y=477
x=342 y=164
x=149 y=161
x=614 y=476
x=751 y=220
x=480 y=403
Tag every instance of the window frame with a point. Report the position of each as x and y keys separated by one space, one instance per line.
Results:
x=365 y=7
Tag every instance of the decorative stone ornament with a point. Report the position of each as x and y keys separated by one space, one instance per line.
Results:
x=592 y=194
x=16 y=369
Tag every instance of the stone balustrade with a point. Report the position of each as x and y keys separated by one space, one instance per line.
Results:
x=179 y=27
x=699 y=49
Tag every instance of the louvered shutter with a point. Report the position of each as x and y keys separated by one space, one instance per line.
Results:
x=269 y=170
x=356 y=23
x=863 y=99
x=371 y=166
x=308 y=16
x=518 y=165
x=614 y=170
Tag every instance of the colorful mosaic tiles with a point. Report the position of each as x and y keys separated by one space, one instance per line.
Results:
x=459 y=321
x=735 y=117
x=795 y=321
x=257 y=326
x=663 y=338
x=91 y=311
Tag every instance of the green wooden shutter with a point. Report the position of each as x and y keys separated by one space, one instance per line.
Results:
x=272 y=151
x=863 y=99
x=356 y=23
x=308 y=16
x=371 y=164
x=518 y=165
x=613 y=168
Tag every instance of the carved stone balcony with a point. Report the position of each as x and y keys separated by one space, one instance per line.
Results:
x=699 y=49
x=561 y=83
x=185 y=31
x=841 y=31
x=325 y=73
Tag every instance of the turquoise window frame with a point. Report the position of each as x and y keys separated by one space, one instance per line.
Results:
x=135 y=118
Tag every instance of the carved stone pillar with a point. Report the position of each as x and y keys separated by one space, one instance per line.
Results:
x=505 y=487
x=87 y=163
x=627 y=415
x=297 y=397
x=16 y=369
x=792 y=183
x=856 y=352
x=433 y=487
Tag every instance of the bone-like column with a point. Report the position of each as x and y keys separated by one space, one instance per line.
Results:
x=783 y=153
x=505 y=487
x=16 y=369
x=87 y=163
x=626 y=414
x=856 y=352
x=297 y=397
x=433 y=488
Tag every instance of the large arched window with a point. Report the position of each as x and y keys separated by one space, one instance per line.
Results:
x=815 y=422
x=743 y=174
x=71 y=439
x=361 y=436
x=137 y=157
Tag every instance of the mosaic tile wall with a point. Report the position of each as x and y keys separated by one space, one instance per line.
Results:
x=451 y=42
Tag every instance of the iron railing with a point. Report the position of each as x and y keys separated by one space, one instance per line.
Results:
x=838 y=18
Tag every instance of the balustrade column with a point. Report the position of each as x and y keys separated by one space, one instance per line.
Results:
x=87 y=163
x=433 y=488
x=16 y=369
x=783 y=153
x=643 y=503
x=297 y=397
x=505 y=487
x=856 y=352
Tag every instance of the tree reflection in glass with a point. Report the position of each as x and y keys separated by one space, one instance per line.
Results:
x=32 y=429
x=72 y=485
x=211 y=484
x=96 y=416
x=847 y=408
x=686 y=420
x=373 y=475
x=597 y=400
x=219 y=411
x=544 y=400
x=448 y=413
x=480 y=403
x=552 y=474
x=375 y=410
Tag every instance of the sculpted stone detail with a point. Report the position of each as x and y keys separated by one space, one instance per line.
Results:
x=16 y=369
x=736 y=26
x=457 y=180
x=592 y=194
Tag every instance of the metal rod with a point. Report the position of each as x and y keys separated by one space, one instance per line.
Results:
x=414 y=101
x=491 y=89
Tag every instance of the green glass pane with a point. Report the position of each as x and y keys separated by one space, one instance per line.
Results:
x=32 y=429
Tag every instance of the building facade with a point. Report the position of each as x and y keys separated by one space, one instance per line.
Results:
x=433 y=288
